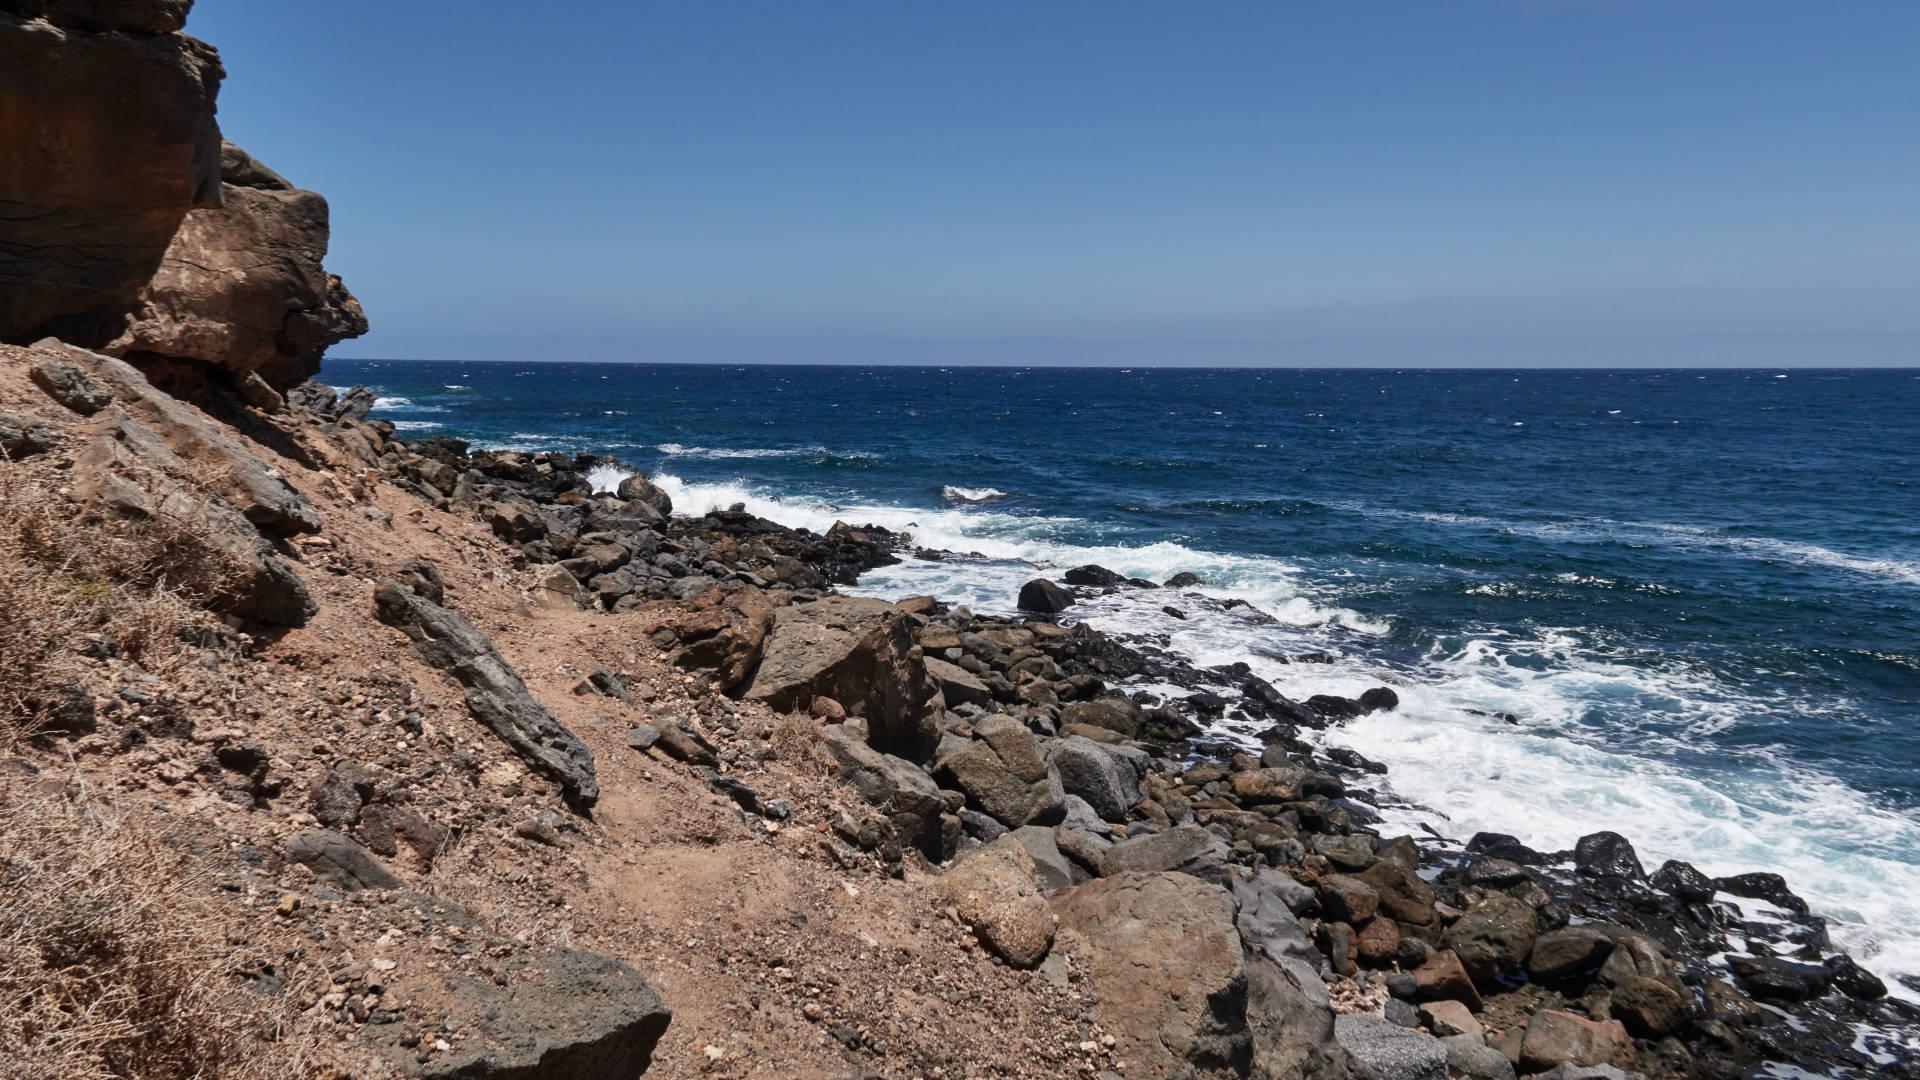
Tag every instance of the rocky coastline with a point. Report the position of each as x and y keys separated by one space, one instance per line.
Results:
x=1002 y=734
x=326 y=753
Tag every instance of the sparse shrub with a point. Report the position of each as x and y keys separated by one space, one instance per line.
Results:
x=113 y=963
x=797 y=740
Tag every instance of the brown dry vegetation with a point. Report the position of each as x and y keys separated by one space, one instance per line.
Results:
x=112 y=960
x=69 y=585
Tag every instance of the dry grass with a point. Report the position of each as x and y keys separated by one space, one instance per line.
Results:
x=136 y=586
x=113 y=962
x=797 y=741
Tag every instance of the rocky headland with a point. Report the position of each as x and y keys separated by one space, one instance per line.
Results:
x=335 y=754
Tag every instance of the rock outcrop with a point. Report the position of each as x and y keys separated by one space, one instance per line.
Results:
x=860 y=653
x=109 y=140
x=241 y=286
x=127 y=225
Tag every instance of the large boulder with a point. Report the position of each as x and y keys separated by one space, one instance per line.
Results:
x=720 y=632
x=1162 y=955
x=1003 y=775
x=1290 y=1026
x=957 y=685
x=995 y=893
x=126 y=470
x=1554 y=1037
x=1106 y=780
x=241 y=286
x=637 y=488
x=901 y=790
x=860 y=653
x=1495 y=935
x=109 y=135
x=495 y=695
x=1115 y=714
x=1044 y=596
x=1382 y=1050
x=1187 y=849
x=539 y=1013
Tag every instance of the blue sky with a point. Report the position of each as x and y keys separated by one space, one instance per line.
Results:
x=1271 y=182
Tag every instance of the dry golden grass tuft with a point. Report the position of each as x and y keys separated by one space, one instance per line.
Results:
x=114 y=963
x=796 y=739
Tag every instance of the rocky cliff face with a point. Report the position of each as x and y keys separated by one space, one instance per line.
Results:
x=127 y=224
x=241 y=287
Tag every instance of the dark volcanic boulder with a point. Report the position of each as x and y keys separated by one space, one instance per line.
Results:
x=541 y=1013
x=1379 y=698
x=110 y=139
x=1334 y=708
x=1098 y=577
x=860 y=653
x=1607 y=854
x=495 y=695
x=1494 y=936
x=1044 y=596
x=1682 y=882
x=241 y=286
x=1762 y=886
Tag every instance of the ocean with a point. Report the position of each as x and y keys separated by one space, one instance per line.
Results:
x=1682 y=605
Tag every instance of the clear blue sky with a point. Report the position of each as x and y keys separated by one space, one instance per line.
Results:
x=1247 y=181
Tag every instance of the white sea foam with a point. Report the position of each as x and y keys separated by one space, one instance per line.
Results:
x=1680 y=537
x=607 y=477
x=1018 y=543
x=728 y=454
x=391 y=402
x=416 y=425
x=955 y=493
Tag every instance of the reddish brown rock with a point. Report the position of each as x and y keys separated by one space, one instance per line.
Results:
x=860 y=653
x=1348 y=899
x=1443 y=978
x=723 y=633
x=1378 y=941
x=241 y=286
x=1554 y=1037
x=109 y=139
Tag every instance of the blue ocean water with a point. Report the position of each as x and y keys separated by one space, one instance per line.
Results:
x=1697 y=593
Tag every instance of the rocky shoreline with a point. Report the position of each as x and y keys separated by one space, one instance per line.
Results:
x=329 y=754
x=972 y=737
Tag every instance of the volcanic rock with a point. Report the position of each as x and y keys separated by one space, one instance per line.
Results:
x=1043 y=596
x=495 y=695
x=860 y=653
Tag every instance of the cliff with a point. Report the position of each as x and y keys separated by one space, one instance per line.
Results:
x=127 y=225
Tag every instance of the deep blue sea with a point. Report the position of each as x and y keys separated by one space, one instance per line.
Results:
x=1697 y=591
